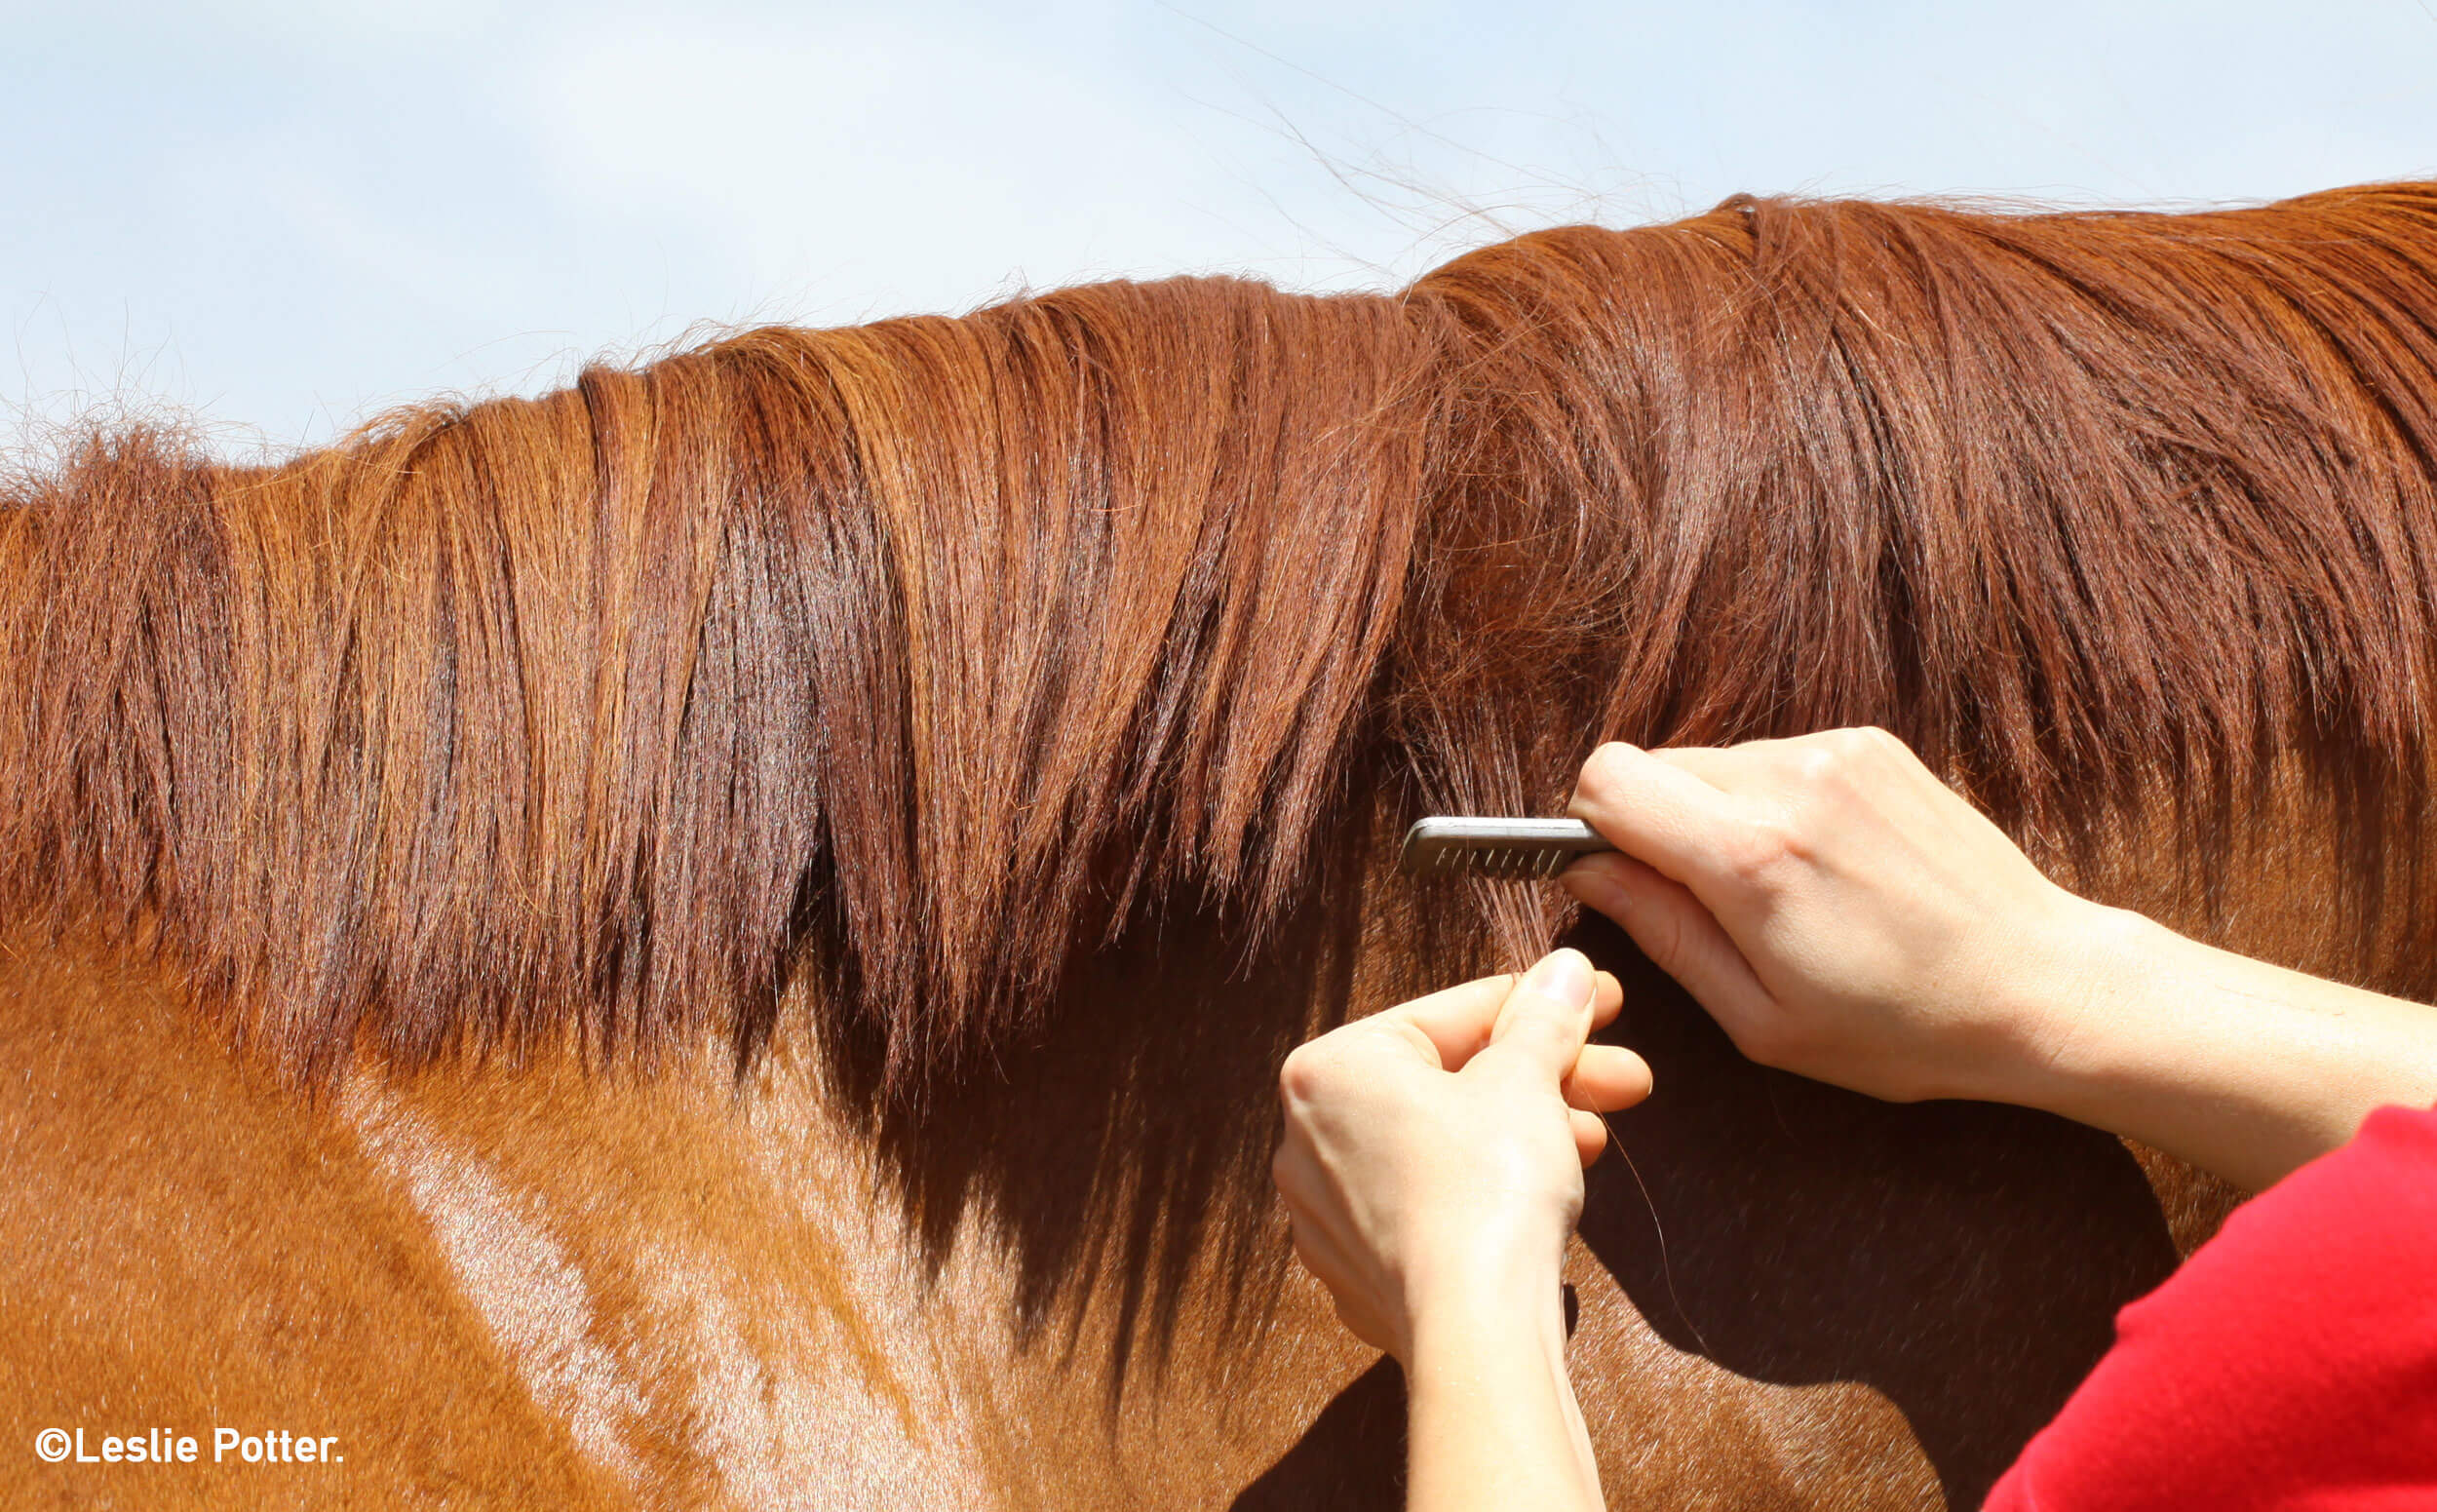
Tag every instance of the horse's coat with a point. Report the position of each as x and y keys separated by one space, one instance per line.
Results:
x=723 y=935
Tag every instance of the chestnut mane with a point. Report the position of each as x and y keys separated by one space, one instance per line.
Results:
x=963 y=645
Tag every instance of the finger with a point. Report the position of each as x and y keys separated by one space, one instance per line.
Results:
x=1304 y=1188
x=1306 y=1239
x=1290 y=1171
x=1734 y=768
x=1546 y=1017
x=1590 y=1133
x=1607 y=996
x=1659 y=812
x=1676 y=930
x=1607 y=1078
x=1455 y=1021
x=1318 y=1244
x=1315 y=1253
x=1362 y=1324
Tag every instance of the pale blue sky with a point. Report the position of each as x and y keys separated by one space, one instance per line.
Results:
x=282 y=216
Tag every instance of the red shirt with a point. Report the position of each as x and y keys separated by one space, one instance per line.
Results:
x=2291 y=1362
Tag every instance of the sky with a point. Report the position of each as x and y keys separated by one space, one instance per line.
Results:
x=277 y=219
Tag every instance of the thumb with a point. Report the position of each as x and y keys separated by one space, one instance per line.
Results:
x=1677 y=931
x=1546 y=1016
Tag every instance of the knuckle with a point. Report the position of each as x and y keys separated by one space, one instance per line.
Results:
x=1766 y=1039
x=1821 y=766
x=1604 y=773
x=1303 y=1074
x=1839 y=753
x=1759 y=850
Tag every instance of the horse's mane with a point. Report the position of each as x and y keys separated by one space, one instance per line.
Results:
x=962 y=643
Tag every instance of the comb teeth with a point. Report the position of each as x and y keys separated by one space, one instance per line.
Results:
x=1516 y=863
x=1495 y=848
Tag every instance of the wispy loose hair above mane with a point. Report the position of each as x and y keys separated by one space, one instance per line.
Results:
x=981 y=639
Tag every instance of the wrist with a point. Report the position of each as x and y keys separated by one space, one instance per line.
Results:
x=1467 y=1341
x=1482 y=1293
x=1493 y=1417
x=2150 y=1041
x=2068 y=1008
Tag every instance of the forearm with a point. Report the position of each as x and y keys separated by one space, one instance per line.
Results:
x=1492 y=1417
x=2239 y=1067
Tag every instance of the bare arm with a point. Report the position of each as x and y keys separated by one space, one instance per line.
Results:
x=1844 y=914
x=2241 y=1068
x=1491 y=1417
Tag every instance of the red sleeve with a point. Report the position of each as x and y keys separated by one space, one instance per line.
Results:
x=2291 y=1362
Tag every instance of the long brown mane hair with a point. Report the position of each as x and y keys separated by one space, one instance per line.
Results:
x=571 y=718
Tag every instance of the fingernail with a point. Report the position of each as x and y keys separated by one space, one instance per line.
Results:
x=1561 y=976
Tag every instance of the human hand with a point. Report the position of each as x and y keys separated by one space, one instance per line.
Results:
x=1839 y=910
x=1434 y=1152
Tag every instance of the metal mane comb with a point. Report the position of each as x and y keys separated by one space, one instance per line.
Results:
x=1507 y=849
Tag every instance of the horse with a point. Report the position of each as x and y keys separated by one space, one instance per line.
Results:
x=724 y=936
